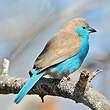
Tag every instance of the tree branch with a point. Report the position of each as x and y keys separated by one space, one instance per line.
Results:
x=77 y=88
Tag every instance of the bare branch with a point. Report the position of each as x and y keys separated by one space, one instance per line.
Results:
x=5 y=66
x=78 y=89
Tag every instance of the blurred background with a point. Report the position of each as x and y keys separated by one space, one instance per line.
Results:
x=26 y=26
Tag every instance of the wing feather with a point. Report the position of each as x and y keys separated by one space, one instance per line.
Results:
x=61 y=47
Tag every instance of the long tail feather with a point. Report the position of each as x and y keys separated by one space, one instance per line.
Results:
x=28 y=86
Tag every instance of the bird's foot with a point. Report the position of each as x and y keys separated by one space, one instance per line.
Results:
x=68 y=78
x=65 y=79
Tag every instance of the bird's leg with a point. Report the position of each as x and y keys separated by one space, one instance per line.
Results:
x=66 y=77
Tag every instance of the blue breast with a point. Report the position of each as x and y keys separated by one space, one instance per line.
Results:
x=84 y=47
x=73 y=63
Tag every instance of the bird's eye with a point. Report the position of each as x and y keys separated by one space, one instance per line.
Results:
x=84 y=27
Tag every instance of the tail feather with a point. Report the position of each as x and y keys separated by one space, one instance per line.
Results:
x=28 y=86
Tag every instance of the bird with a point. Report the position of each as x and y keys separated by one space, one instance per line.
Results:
x=63 y=54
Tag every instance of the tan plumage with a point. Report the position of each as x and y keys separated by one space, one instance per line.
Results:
x=65 y=44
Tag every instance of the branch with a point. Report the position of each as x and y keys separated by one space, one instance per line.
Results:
x=77 y=88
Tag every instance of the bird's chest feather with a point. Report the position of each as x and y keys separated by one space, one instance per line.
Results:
x=84 y=47
x=73 y=63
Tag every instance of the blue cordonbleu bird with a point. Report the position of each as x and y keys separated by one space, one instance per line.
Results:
x=62 y=55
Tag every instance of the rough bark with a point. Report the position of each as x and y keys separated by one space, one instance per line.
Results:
x=78 y=88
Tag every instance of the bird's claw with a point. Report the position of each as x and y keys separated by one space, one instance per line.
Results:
x=65 y=79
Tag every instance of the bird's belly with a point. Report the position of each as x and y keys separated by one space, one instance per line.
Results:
x=68 y=66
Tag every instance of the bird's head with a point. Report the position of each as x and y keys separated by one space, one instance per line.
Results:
x=84 y=30
x=78 y=26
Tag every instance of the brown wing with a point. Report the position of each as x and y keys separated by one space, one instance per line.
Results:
x=61 y=47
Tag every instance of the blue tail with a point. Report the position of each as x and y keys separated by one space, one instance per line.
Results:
x=28 y=86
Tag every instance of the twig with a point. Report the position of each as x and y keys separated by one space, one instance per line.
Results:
x=94 y=74
x=5 y=66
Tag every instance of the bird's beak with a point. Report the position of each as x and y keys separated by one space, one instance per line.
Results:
x=91 y=30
